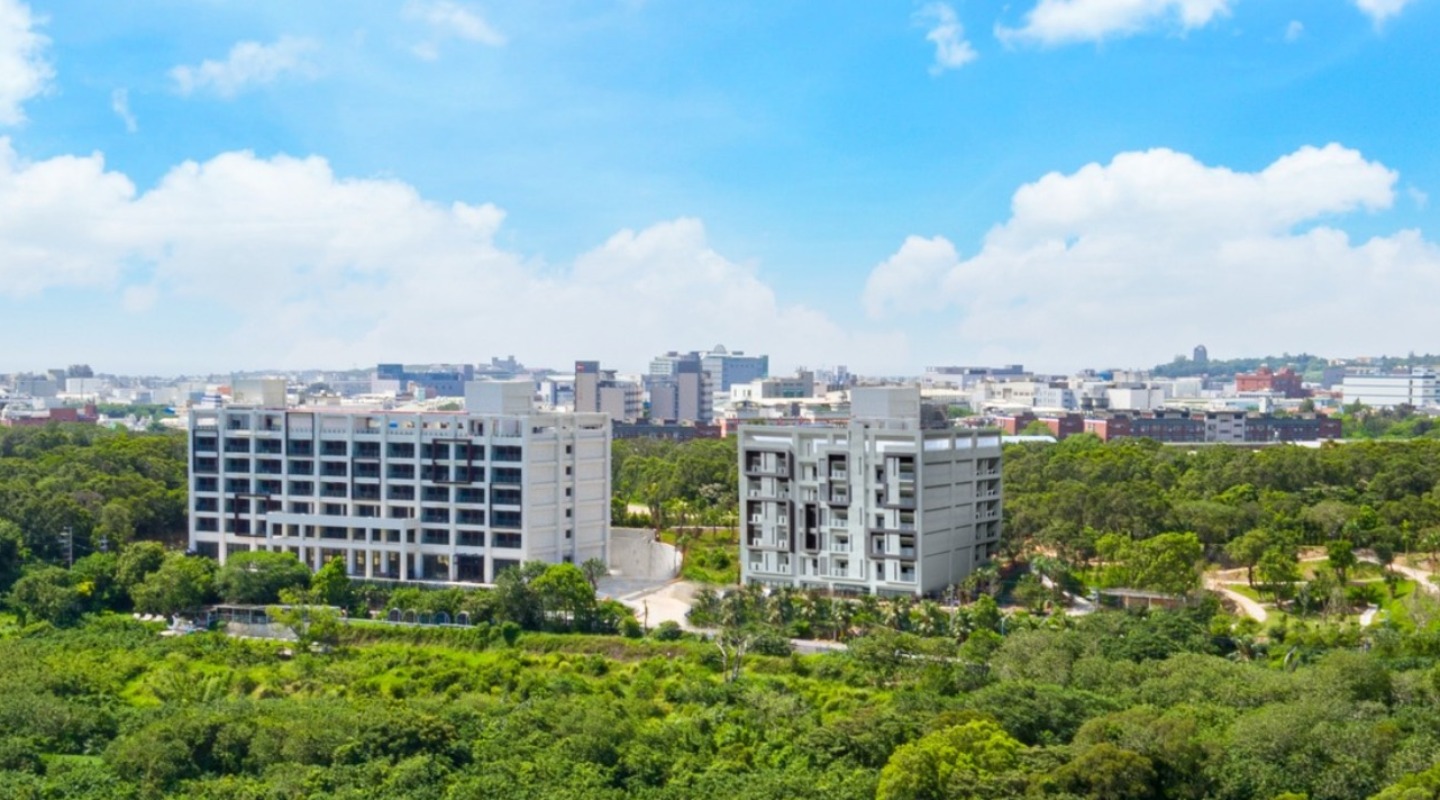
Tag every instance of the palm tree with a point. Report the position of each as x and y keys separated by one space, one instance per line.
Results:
x=594 y=570
x=933 y=621
x=843 y=612
x=899 y=613
x=868 y=613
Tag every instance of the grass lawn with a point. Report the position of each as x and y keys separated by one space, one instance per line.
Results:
x=1247 y=590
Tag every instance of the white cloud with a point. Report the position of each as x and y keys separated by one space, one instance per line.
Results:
x=1380 y=10
x=58 y=222
x=1294 y=30
x=323 y=270
x=24 y=71
x=1155 y=249
x=448 y=19
x=1053 y=22
x=120 y=104
x=249 y=64
x=952 y=51
x=906 y=281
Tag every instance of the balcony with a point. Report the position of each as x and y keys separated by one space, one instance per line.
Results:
x=756 y=465
x=902 y=500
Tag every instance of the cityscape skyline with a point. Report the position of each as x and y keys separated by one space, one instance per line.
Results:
x=1059 y=183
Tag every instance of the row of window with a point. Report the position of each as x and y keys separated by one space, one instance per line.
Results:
x=459 y=451
x=431 y=536
x=506 y=488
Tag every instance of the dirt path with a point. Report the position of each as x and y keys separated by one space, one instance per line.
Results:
x=1251 y=608
x=1421 y=577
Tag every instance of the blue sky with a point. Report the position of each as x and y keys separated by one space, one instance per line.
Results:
x=215 y=185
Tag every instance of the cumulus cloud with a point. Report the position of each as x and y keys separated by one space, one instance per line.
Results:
x=1294 y=30
x=448 y=19
x=906 y=281
x=24 y=70
x=944 y=30
x=120 y=104
x=1380 y=10
x=1054 y=22
x=1155 y=247
x=59 y=222
x=248 y=64
x=321 y=269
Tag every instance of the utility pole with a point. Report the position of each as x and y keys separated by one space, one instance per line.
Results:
x=68 y=537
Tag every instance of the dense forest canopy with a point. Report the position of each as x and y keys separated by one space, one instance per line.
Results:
x=96 y=483
x=1064 y=496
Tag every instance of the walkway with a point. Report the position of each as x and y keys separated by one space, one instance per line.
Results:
x=1251 y=608
x=1421 y=577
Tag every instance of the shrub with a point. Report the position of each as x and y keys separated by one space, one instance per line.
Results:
x=667 y=631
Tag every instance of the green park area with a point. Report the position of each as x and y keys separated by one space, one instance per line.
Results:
x=1000 y=689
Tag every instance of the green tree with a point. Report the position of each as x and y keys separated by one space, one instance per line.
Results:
x=1279 y=572
x=565 y=594
x=332 y=585
x=182 y=582
x=306 y=615
x=258 y=577
x=1106 y=772
x=1340 y=558
x=594 y=570
x=136 y=562
x=13 y=553
x=95 y=579
x=1248 y=548
x=47 y=594
x=948 y=763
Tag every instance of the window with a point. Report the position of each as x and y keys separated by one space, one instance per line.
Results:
x=569 y=471
x=569 y=534
x=569 y=492
x=569 y=449
x=569 y=513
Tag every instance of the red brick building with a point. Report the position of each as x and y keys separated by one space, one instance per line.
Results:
x=1286 y=382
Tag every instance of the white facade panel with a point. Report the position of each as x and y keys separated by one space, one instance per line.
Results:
x=841 y=508
x=437 y=496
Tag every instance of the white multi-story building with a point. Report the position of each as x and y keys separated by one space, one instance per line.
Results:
x=416 y=496
x=876 y=505
x=1417 y=388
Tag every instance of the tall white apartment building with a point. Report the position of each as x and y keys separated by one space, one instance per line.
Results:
x=411 y=496
x=878 y=505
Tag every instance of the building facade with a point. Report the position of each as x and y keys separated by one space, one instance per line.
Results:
x=435 y=496
x=1417 y=387
x=872 y=506
x=1286 y=382
x=720 y=369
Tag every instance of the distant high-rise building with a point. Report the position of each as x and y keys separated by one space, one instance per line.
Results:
x=676 y=397
x=720 y=369
x=587 y=386
x=1201 y=355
